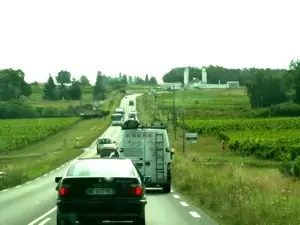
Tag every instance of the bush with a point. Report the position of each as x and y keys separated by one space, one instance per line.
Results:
x=285 y=109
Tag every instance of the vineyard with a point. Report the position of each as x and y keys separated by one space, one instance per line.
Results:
x=271 y=138
x=18 y=133
x=214 y=126
x=277 y=145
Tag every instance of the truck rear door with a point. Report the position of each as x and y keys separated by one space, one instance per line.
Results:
x=133 y=147
x=154 y=157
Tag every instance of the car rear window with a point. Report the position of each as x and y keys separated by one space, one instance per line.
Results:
x=105 y=141
x=101 y=168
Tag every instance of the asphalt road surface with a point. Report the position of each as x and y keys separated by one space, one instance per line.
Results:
x=33 y=203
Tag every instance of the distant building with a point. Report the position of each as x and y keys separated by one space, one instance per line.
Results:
x=195 y=83
x=58 y=84
x=171 y=86
x=233 y=84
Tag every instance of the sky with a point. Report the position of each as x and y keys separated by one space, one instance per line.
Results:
x=139 y=37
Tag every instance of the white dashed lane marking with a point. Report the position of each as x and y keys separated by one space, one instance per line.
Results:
x=176 y=196
x=18 y=186
x=184 y=204
x=28 y=182
x=4 y=190
x=195 y=215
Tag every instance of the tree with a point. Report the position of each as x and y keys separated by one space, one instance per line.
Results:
x=99 y=90
x=75 y=90
x=50 y=91
x=13 y=85
x=264 y=91
x=84 y=81
x=146 y=79
x=130 y=80
x=294 y=78
x=63 y=77
x=124 y=79
x=153 y=81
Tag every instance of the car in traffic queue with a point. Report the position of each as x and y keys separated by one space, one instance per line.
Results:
x=97 y=190
x=103 y=141
x=107 y=150
x=131 y=103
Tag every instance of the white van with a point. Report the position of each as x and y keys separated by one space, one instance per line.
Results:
x=117 y=119
x=148 y=147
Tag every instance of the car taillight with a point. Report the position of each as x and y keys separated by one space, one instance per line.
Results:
x=137 y=191
x=64 y=191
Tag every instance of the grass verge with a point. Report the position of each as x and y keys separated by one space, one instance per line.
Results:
x=230 y=193
x=46 y=155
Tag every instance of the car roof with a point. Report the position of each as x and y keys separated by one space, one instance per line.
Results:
x=109 y=146
x=113 y=160
x=104 y=138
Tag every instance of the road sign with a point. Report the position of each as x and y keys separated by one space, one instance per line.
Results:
x=191 y=137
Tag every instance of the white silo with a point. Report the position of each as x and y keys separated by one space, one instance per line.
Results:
x=204 y=75
x=186 y=77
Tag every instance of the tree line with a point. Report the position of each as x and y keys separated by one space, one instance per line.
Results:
x=13 y=85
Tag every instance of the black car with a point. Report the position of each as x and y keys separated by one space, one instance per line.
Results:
x=96 y=190
x=131 y=103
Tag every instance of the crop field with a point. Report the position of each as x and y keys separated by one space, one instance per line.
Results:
x=213 y=126
x=270 y=138
x=206 y=103
x=207 y=98
x=18 y=133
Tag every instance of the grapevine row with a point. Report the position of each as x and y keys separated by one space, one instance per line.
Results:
x=214 y=126
x=18 y=133
x=278 y=145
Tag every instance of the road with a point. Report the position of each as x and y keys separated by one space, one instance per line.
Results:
x=33 y=203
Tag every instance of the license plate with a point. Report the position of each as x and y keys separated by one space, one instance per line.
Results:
x=100 y=191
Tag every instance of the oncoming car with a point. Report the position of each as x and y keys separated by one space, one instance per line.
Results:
x=97 y=190
x=103 y=141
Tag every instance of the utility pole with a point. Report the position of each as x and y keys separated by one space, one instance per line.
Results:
x=155 y=96
x=183 y=132
x=174 y=113
x=162 y=106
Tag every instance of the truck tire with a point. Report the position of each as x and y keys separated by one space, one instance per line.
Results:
x=167 y=188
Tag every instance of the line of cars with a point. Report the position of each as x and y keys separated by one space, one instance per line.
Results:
x=95 y=190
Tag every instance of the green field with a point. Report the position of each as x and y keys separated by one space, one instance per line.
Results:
x=18 y=133
x=232 y=187
x=206 y=102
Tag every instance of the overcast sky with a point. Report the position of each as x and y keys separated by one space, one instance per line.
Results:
x=139 y=37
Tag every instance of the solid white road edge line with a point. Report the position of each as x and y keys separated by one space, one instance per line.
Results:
x=176 y=196
x=184 y=204
x=195 y=215
x=44 y=221
x=42 y=216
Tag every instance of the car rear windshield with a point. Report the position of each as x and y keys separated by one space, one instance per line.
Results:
x=101 y=168
x=104 y=141
x=116 y=117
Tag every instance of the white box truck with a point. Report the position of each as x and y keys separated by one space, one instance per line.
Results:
x=148 y=147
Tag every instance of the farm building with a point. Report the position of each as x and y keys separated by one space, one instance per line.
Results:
x=176 y=86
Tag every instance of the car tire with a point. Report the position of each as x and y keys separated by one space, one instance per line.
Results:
x=167 y=188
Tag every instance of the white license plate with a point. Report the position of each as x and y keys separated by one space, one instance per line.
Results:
x=100 y=191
